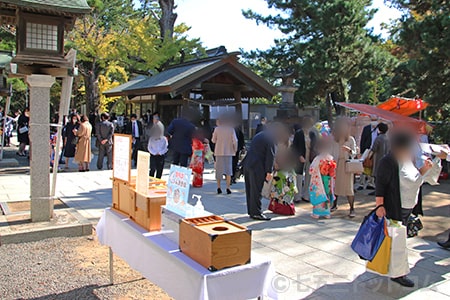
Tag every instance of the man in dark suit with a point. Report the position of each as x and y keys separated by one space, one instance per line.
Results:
x=134 y=127
x=299 y=147
x=261 y=126
x=258 y=167
x=369 y=134
x=181 y=131
x=240 y=147
x=104 y=132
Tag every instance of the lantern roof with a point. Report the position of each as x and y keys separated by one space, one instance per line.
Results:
x=52 y=7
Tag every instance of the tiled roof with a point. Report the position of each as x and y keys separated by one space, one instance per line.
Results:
x=73 y=6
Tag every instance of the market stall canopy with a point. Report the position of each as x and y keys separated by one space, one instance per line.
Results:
x=386 y=115
x=403 y=106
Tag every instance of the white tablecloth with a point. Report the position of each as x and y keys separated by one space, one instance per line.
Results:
x=160 y=261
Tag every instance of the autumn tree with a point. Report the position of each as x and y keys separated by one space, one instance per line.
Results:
x=119 y=33
x=97 y=36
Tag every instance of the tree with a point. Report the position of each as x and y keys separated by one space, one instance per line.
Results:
x=423 y=46
x=119 y=34
x=164 y=13
x=97 y=37
x=326 y=44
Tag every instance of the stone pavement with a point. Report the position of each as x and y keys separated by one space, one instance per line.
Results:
x=312 y=258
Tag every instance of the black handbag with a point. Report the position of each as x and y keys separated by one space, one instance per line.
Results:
x=413 y=226
x=75 y=140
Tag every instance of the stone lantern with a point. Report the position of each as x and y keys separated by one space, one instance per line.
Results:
x=40 y=27
x=288 y=109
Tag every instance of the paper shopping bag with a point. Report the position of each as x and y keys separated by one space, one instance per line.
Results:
x=267 y=189
x=398 y=265
x=380 y=263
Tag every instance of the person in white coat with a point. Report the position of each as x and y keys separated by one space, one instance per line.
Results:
x=225 y=140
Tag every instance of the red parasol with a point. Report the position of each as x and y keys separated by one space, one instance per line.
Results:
x=403 y=106
x=386 y=115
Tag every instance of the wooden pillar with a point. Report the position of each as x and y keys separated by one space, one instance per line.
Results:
x=238 y=100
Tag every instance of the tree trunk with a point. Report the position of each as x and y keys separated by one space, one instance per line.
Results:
x=168 y=18
x=92 y=93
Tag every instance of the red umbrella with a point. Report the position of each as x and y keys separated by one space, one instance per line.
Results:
x=396 y=119
x=403 y=106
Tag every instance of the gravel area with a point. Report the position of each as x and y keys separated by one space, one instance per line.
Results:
x=68 y=268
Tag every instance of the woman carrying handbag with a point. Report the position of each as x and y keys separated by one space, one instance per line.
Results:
x=397 y=187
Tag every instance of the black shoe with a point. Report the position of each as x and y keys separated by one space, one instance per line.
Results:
x=370 y=187
x=261 y=217
x=297 y=201
x=228 y=191
x=445 y=245
x=219 y=191
x=360 y=188
x=334 y=207
x=305 y=200
x=371 y=194
x=404 y=281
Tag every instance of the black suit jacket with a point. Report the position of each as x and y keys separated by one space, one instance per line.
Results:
x=129 y=129
x=261 y=155
x=366 y=138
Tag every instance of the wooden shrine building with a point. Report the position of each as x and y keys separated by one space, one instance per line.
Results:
x=216 y=80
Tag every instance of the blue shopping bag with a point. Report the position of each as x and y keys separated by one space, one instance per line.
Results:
x=369 y=237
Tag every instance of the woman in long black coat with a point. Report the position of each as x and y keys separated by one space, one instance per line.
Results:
x=22 y=131
x=69 y=137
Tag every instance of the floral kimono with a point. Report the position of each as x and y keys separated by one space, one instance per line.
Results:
x=284 y=186
x=321 y=188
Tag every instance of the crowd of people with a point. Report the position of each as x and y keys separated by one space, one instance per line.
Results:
x=287 y=164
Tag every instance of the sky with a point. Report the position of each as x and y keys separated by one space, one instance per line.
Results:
x=218 y=22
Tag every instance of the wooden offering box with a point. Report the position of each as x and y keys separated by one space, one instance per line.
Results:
x=215 y=243
x=147 y=209
x=123 y=196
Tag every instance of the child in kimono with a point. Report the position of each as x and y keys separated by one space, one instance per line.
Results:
x=321 y=187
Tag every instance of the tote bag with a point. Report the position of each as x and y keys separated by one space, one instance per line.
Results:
x=380 y=263
x=369 y=237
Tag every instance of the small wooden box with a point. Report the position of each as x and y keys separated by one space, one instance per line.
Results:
x=215 y=243
x=124 y=193
x=147 y=209
x=123 y=196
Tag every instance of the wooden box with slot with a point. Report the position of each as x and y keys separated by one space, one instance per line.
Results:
x=215 y=243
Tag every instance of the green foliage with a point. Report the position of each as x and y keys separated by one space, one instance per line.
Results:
x=423 y=40
x=7 y=40
x=327 y=49
x=119 y=34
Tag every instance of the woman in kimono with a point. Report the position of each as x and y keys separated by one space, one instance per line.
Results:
x=284 y=185
x=321 y=187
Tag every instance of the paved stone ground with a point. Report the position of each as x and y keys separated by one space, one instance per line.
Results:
x=313 y=258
